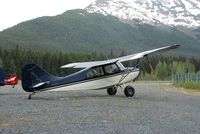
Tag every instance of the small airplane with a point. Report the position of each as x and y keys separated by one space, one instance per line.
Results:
x=94 y=75
x=12 y=80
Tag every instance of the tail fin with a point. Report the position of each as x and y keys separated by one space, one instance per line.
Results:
x=34 y=78
x=2 y=83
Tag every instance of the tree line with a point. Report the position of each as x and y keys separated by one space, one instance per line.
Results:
x=158 y=67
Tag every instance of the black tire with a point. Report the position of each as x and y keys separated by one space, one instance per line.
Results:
x=112 y=91
x=129 y=91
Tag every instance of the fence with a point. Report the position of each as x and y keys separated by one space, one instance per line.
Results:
x=188 y=77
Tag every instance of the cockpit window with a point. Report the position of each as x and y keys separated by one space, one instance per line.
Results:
x=95 y=72
x=111 y=69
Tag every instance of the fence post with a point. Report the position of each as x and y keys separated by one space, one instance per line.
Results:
x=196 y=77
x=187 y=77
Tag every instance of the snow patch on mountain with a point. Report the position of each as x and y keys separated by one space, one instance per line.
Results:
x=169 y=12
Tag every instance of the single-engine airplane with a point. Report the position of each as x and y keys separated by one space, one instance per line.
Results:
x=12 y=80
x=107 y=74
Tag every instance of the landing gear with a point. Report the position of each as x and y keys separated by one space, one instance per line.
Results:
x=129 y=91
x=112 y=91
x=29 y=97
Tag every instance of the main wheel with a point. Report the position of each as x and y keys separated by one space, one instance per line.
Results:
x=112 y=91
x=129 y=91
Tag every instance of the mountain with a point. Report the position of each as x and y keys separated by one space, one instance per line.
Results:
x=72 y=31
x=169 y=12
x=83 y=32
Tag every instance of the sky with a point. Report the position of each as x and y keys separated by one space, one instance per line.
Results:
x=13 y=12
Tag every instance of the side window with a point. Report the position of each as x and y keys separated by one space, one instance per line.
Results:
x=95 y=72
x=111 y=69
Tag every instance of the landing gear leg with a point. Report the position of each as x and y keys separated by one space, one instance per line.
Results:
x=29 y=97
x=129 y=91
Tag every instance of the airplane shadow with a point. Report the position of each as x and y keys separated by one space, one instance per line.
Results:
x=75 y=97
x=99 y=97
x=84 y=96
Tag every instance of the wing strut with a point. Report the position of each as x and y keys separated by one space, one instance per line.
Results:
x=122 y=78
x=150 y=65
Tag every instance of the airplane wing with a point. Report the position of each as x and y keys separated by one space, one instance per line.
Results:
x=89 y=64
x=145 y=53
x=120 y=59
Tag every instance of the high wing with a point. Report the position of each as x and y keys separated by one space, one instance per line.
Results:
x=120 y=59
x=89 y=64
x=145 y=53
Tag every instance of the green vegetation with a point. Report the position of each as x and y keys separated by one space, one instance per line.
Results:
x=13 y=59
x=189 y=85
x=78 y=31
x=164 y=67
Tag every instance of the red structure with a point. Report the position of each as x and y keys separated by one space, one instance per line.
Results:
x=12 y=80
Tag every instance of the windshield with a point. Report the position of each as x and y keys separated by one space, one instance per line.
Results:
x=111 y=69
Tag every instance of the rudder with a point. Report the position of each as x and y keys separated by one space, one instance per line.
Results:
x=32 y=74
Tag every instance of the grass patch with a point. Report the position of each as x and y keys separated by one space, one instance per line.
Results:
x=189 y=85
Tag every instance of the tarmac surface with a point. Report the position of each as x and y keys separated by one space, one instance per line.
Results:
x=156 y=108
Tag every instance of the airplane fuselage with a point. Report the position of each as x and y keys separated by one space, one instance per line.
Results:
x=102 y=82
x=99 y=77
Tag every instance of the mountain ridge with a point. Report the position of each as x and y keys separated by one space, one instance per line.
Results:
x=169 y=12
x=82 y=32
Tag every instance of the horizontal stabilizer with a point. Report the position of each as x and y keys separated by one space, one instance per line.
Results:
x=39 y=84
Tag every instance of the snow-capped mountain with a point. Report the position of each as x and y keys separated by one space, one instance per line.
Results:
x=169 y=12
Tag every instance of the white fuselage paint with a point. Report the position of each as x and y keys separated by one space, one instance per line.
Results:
x=100 y=83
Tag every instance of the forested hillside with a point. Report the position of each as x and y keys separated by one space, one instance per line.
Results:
x=82 y=32
x=12 y=61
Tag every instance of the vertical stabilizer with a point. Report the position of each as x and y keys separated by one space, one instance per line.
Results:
x=2 y=83
x=34 y=78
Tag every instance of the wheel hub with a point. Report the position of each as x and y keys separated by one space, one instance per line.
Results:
x=130 y=91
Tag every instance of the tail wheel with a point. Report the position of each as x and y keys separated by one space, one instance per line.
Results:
x=112 y=91
x=129 y=91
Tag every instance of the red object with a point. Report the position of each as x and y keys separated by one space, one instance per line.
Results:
x=12 y=80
